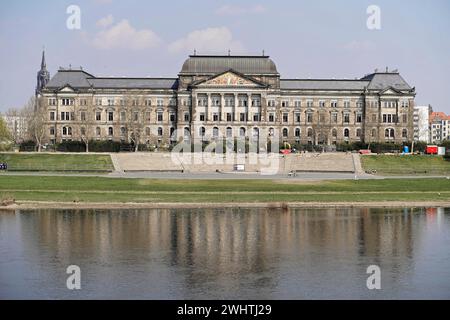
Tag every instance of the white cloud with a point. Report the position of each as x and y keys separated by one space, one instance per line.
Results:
x=210 y=40
x=105 y=22
x=239 y=10
x=123 y=35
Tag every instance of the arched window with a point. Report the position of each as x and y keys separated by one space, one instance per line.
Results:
x=83 y=131
x=202 y=131
x=334 y=133
x=285 y=132
x=147 y=131
x=346 y=133
x=123 y=131
x=97 y=131
x=358 y=132
x=297 y=132
x=389 y=133
x=172 y=130
x=271 y=132
x=255 y=132
x=160 y=131
x=229 y=132
x=64 y=129
x=187 y=133
x=242 y=132
x=110 y=131
x=215 y=132
x=374 y=133
x=310 y=132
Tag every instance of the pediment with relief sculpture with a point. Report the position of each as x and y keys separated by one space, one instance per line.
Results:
x=230 y=78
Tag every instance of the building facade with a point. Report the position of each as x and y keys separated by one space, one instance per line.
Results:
x=216 y=97
x=439 y=127
x=422 y=123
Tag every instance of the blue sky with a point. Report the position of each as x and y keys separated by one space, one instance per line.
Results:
x=316 y=39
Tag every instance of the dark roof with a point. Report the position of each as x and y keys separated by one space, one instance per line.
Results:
x=81 y=79
x=322 y=84
x=74 y=78
x=383 y=80
x=215 y=64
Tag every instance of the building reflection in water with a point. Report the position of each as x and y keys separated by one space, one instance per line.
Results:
x=233 y=250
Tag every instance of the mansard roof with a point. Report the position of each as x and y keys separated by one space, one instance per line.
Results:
x=322 y=84
x=80 y=79
x=204 y=64
x=383 y=80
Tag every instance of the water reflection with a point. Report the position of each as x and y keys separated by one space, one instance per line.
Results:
x=225 y=253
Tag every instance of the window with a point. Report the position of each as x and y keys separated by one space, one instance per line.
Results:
x=110 y=131
x=374 y=118
x=97 y=131
x=98 y=101
x=285 y=117
x=160 y=131
x=346 y=104
x=346 y=133
x=202 y=131
x=404 y=118
x=52 y=102
x=83 y=131
x=389 y=133
x=66 y=116
x=123 y=116
x=285 y=132
x=242 y=132
x=122 y=102
x=215 y=132
x=271 y=103
x=297 y=103
x=202 y=117
x=52 y=131
x=215 y=117
x=322 y=104
x=309 y=117
x=148 y=102
x=172 y=117
x=242 y=116
x=147 y=116
x=256 y=117
x=160 y=117
x=134 y=102
x=98 y=116
x=404 y=133
x=358 y=132
x=297 y=132
x=135 y=116
x=271 y=117
x=297 y=117
x=160 y=102
x=229 y=132
x=186 y=117
x=334 y=104
x=346 y=117
x=334 y=117
x=110 y=116
x=123 y=131
x=358 y=118
x=67 y=102
x=229 y=117
x=172 y=102
x=110 y=101
x=373 y=133
x=309 y=104
x=322 y=118
x=83 y=115
x=334 y=133
x=52 y=116
x=285 y=103
x=310 y=133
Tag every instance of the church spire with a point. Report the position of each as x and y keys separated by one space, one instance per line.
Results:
x=43 y=64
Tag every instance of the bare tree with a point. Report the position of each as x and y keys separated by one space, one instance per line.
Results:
x=87 y=125
x=134 y=120
x=36 y=114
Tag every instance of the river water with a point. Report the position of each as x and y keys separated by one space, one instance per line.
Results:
x=226 y=253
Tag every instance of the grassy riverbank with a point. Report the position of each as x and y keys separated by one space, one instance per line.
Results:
x=406 y=164
x=106 y=190
x=57 y=162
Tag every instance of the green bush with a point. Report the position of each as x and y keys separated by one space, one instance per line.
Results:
x=28 y=146
x=71 y=146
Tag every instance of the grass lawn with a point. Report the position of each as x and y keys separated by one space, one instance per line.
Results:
x=56 y=162
x=99 y=189
x=406 y=164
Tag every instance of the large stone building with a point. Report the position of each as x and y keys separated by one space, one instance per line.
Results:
x=226 y=96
